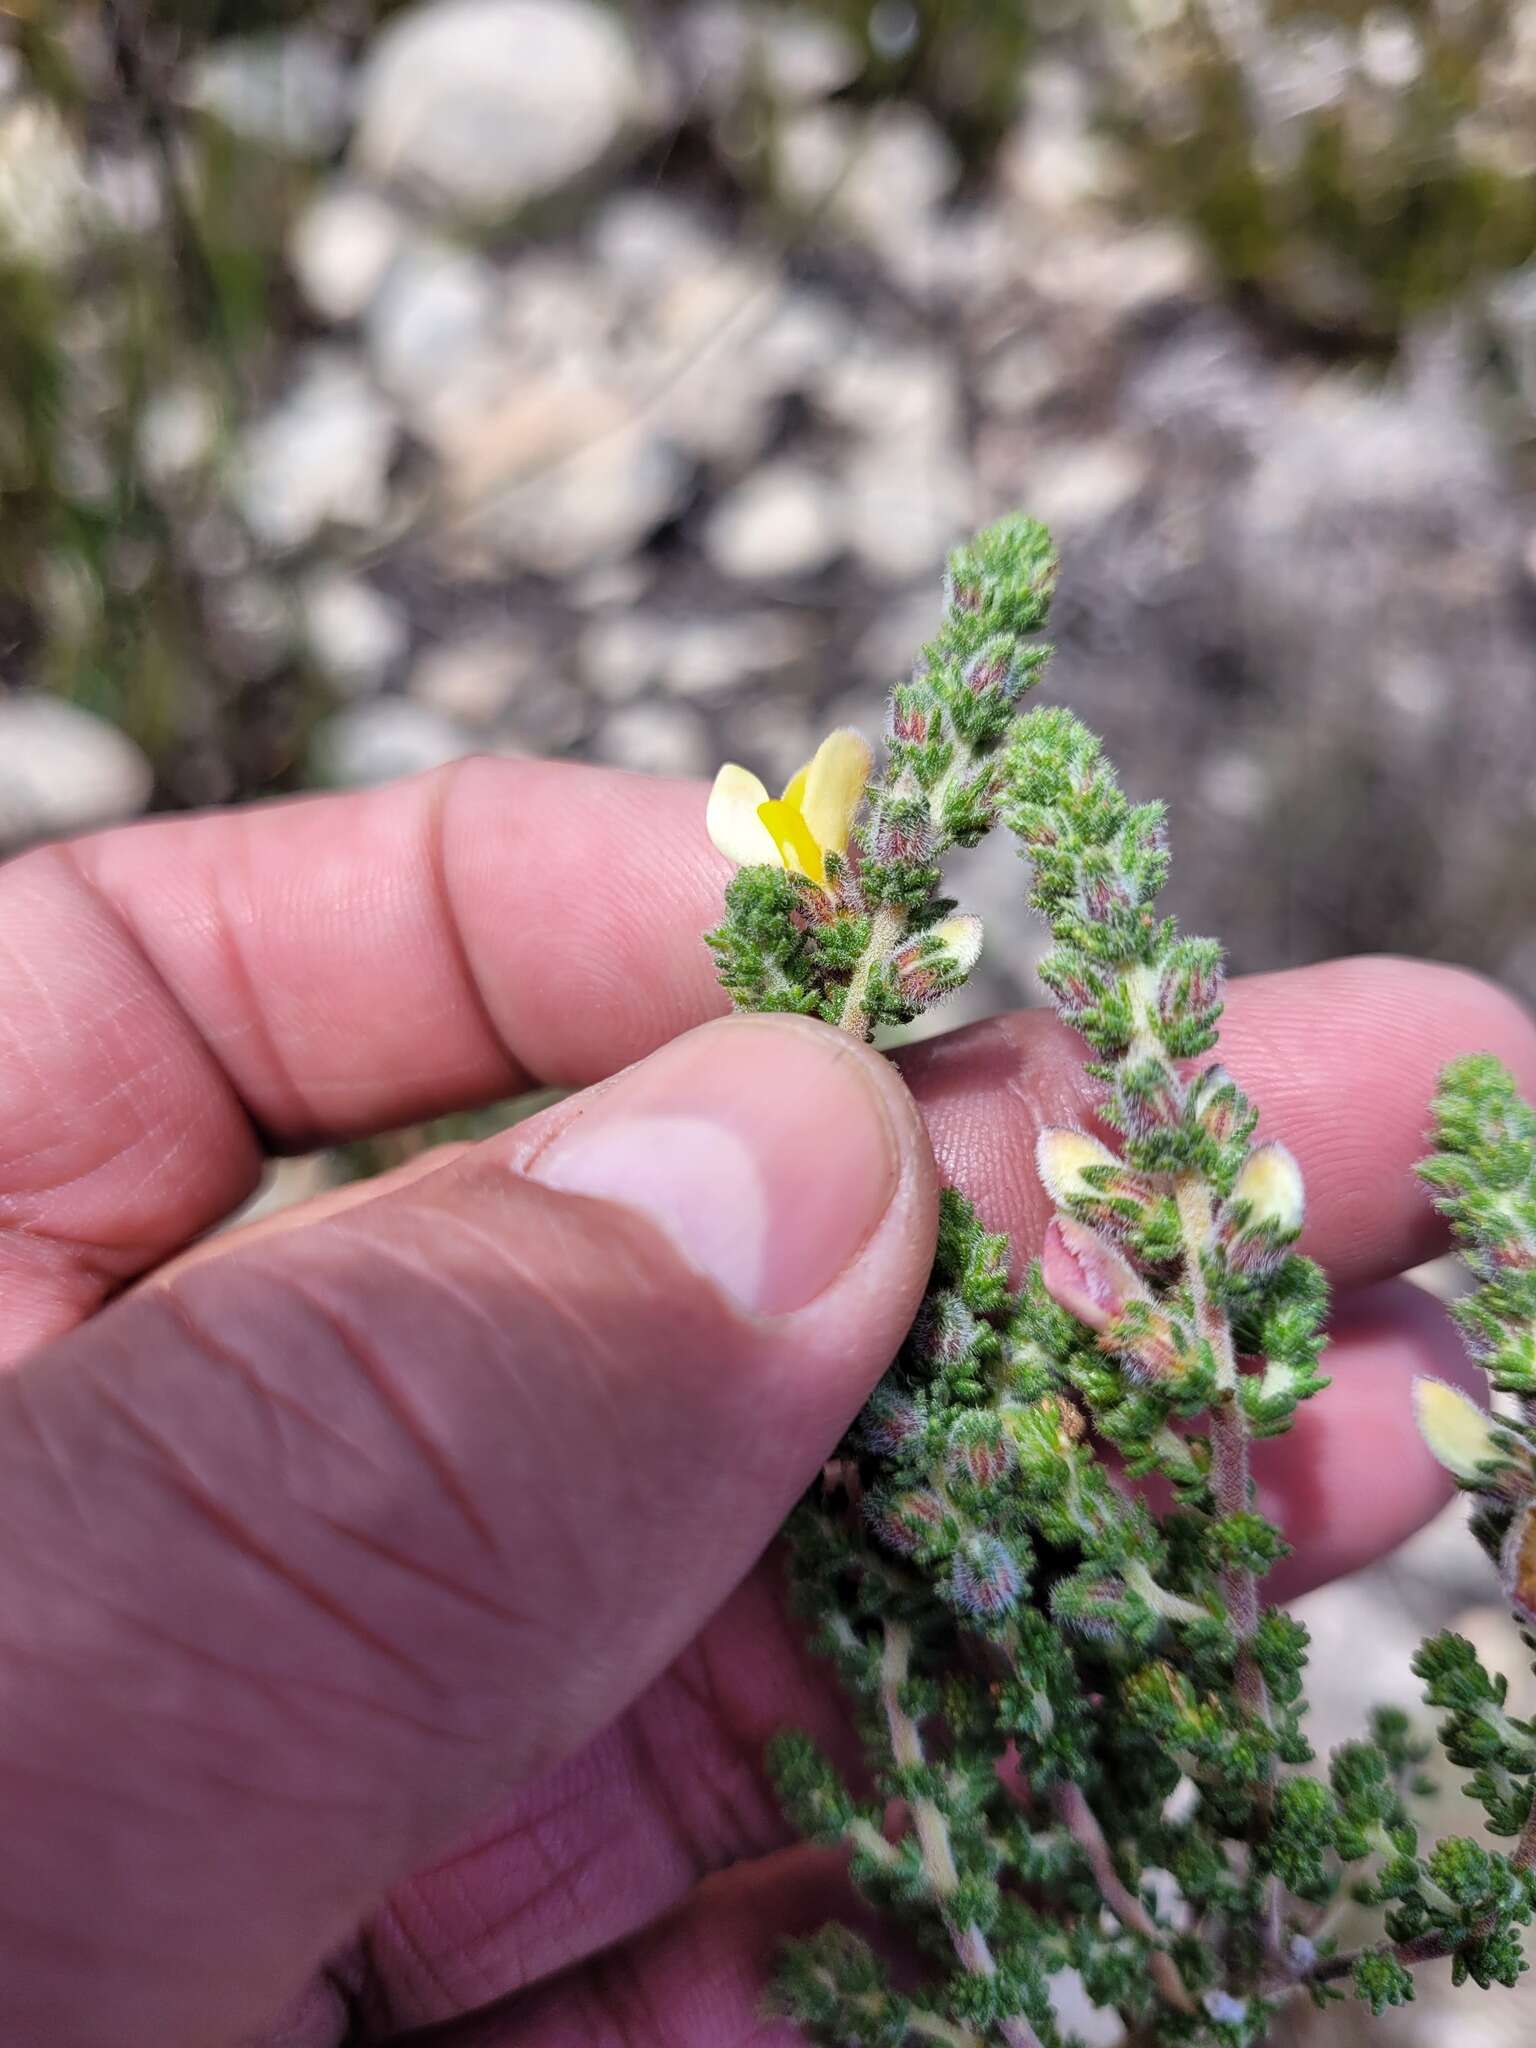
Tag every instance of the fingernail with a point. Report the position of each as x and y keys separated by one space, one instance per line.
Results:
x=763 y=1148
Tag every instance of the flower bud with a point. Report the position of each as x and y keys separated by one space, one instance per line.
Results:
x=1190 y=983
x=978 y=1451
x=985 y=1579
x=1086 y=1276
x=1093 y=1607
x=1457 y=1431
x=1263 y=1214
x=911 y=716
x=1219 y=1106
x=1044 y=1430
x=936 y=962
x=902 y=833
x=945 y=1330
x=1104 y=897
x=1270 y=1185
x=1148 y=1099
x=1078 y=988
x=892 y=1420
x=996 y=668
x=1147 y=1342
x=1092 y=1183
x=904 y=1522
x=1061 y=1157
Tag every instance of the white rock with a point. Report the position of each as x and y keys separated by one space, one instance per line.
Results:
x=781 y=521
x=647 y=240
x=548 y=717
x=805 y=57
x=622 y=655
x=340 y=249
x=658 y=739
x=1235 y=784
x=479 y=105
x=381 y=739
x=885 y=176
x=127 y=191
x=596 y=505
x=43 y=191
x=63 y=769
x=890 y=392
x=355 y=634
x=321 y=455
x=177 y=431
x=429 y=330
x=795 y=54
x=251 y=625
x=610 y=586
x=709 y=657
x=804 y=335
x=476 y=679
x=287 y=92
x=907 y=506
x=1078 y=486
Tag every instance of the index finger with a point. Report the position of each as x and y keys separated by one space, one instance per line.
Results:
x=182 y=995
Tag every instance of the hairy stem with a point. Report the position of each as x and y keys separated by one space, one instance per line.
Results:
x=1230 y=1474
x=886 y=930
x=932 y=1830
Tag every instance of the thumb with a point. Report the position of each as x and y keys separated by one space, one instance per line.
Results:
x=313 y=1552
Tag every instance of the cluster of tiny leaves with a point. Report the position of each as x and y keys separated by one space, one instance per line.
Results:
x=1083 y=1735
x=1483 y=1171
x=863 y=950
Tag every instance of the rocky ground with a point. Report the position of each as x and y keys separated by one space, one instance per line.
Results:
x=627 y=396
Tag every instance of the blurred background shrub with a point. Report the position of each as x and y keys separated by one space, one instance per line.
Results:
x=607 y=378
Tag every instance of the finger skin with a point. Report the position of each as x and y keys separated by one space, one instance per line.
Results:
x=183 y=993
x=1341 y=1059
x=702 y=1978
x=620 y=1834
x=309 y=1557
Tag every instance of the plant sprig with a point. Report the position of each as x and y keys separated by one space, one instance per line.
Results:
x=1083 y=1726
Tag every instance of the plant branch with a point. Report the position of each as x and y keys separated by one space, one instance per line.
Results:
x=932 y=1829
x=1082 y=1824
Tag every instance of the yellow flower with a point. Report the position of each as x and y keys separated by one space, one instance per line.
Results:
x=1456 y=1430
x=810 y=820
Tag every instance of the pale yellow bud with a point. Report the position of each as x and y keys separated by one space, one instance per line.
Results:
x=1456 y=1430
x=1270 y=1186
x=1061 y=1157
x=960 y=937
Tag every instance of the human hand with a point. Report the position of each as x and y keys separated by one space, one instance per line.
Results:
x=418 y=1531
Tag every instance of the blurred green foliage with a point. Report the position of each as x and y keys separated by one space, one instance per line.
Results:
x=1358 y=165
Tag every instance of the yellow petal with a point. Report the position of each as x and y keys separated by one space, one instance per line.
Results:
x=1271 y=1186
x=733 y=823
x=1060 y=1157
x=794 y=789
x=792 y=839
x=1456 y=1429
x=833 y=787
